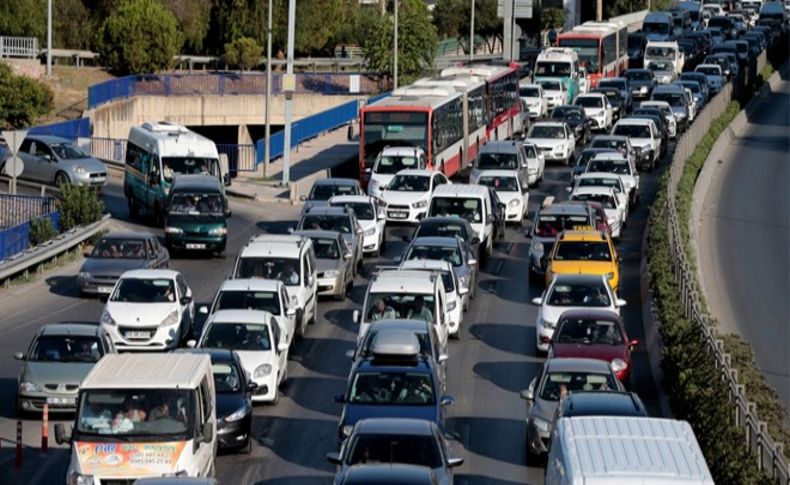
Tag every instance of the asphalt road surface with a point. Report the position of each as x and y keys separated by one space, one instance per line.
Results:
x=493 y=360
x=745 y=236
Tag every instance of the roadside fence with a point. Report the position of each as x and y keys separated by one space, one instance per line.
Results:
x=16 y=212
x=19 y=47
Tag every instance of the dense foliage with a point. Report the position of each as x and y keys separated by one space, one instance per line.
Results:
x=243 y=53
x=452 y=20
x=79 y=206
x=41 y=231
x=552 y=18
x=22 y=99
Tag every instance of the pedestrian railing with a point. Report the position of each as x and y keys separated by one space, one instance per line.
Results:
x=16 y=212
x=112 y=149
x=241 y=158
x=19 y=47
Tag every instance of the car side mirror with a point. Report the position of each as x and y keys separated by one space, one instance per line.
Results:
x=463 y=290
x=350 y=354
x=226 y=179
x=282 y=346
x=86 y=254
x=208 y=433
x=620 y=303
x=228 y=213
x=347 y=256
x=303 y=198
x=203 y=309
x=185 y=300
x=360 y=231
x=528 y=395
x=537 y=301
x=340 y=398
x=633 y=343
x=333 y=458
x=290 y=313
x=355 y=316
x=61 y=436
x=446 y=400
x=475 y=240
x=191 y=344
x=455 y=462
x=19 y=356
x=153 y=179
x=569 y=189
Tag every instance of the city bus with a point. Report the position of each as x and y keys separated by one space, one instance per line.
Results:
x=602 y=48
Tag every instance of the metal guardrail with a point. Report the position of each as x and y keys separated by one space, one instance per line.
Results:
x=19 y=47
x=770 y=455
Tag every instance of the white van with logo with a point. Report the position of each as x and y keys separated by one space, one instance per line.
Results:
x=143 y=416
x=470 y=202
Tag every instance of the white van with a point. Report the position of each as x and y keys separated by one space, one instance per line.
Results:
x=659 y=52
x=470 y=202
x=143 y=416
x=390 y=161
x=617 y=450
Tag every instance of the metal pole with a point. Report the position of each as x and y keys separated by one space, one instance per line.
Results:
x=289 y=92
x=513 y=32
x=395 y=50
x=472 y=35
x=267 y=144
x=49 y=38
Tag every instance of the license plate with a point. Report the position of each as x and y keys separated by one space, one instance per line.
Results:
x=104 y=289
x=398 y=215
x=61 y=401
x=138 y=334
x=196 y=246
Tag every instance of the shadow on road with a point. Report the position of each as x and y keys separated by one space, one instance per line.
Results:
x=316 y=394
x=63 y=285
x=504 y=336
x=279 y=434
x=475 y=434
x=332 y=362
x=510 y=376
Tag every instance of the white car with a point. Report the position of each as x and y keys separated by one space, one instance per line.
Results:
x=571 y=292
x=256 y=337
x=256 y=294
x=598 y=108
x=645 y=138
x=511 y=190
x=666 y=111
x=149 y=309
x=554 y=92
x=456 y=294
x=555 y=139
x=602 y=179
x=619 y=164
x=370 y=215
x=584 y=81
x=407 y=195
x=536 y=163
x=533 y=95
x=389 y=162
x=616 y=210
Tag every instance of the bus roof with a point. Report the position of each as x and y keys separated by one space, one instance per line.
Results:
x=420 y=98
x=486 y=71
x=172 y=140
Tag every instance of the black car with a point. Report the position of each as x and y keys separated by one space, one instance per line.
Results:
x=641 y=82
x=576 y=119
x=726 y=24
x=388 y=474
x=585 y=156
x=234 y=398
x=636 y=49
x=655 y=115
x=450 y=226
x=703 y=37
x=615 y=99
x=692 y=52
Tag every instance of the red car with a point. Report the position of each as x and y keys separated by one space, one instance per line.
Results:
x=594 y=334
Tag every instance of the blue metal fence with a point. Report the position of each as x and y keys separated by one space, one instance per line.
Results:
x=71 y=129
x=241 y=158
x=16 y=212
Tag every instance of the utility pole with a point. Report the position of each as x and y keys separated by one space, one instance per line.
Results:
x=472 y=35
x=49 y=38
x=395 y=50
x=513 y=33
x=599 y=10
x=290 y=87
x=267 y=144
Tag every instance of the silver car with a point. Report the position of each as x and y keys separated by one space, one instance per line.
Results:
x=55 y=160
x=557 y=378
x=334 y=263
x=341 y=219
x=454 y=250
x=59 y=358
x=325 y=189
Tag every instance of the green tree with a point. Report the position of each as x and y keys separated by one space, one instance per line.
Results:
x=416 y=42
x=552 y=18
x=449 y=16
x=243 y=53
x=140 y=36
x=193 y=20
x=24 y=18
x=23 y=99
x=79 y=206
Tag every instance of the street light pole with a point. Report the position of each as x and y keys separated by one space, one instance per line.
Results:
x=472 y=35
x=395 y=50
x=290 y=87
x=267 y=150
x=49 y=38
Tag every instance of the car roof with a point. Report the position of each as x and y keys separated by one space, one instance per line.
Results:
x=327 y=210
x=668 y=88
x=340 y=199
x=416 y=171
x=274 y=245
x=578 y=279
x=577 y=364
x=398 y=280
x=240 y=316
x=426 y=264
x=395 y=426
x=318 y=233
x=593 y=189
x=335 y=181
x=461 y=190
x=198 y=182
x=598 y=175
x=582 y=235
x=128 y=235
x=435 y=241
x=70 y=328
x=633 y=121
x=250 y=284
x=612 y=137
x=387 y=473
x=146 y=371
x=610 y=402
x=498 y=173
x=403 y=323
x=557 y=209
x=150 y=273
x=592 y=94
x=619 y=79
x=592 y=313
x=48 y=139
x=617 y=156
x=441 y=220
x=501 y=146
x=217 y=355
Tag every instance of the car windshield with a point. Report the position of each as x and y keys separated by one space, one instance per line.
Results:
x=248 y=300
x=414 y=306
x=659 y=28
x=410 y=183
x=638 y=75
x=445 y=229
x=340 y=223
x=551 y=225
x=111 y=248
x=529 y=92
x=544 y=131
x=579 y=295
x=562 y=113
x=392 y=388
x=67 y=151
x=614 y=144
x=589 y=101
x=363 y=210
x=391 y=164
x=660 y=52
x=554 y=69
x=327 y=191
x=600 y=182
x=283 y=269
x=500 y=184
x=549 y=85
x=619 y=167
x=237 y=336
x=226 y=377
x=607 y=201
x=189 y=203
x=451 y=254
x=583 y=251
x=490 y=160
x=66 y=348
x=172 y=166
x=633 y=131
x=616 y=84
x=419 y=450
x=532 y=152
x=588 y=331
x=466 y=208
x=674 y=99
x=138 y=412
x=326 y=248
x=142 y=290
x=709 y=70
x=557 y=384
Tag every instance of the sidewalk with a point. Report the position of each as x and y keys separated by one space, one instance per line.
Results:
x=312 y=160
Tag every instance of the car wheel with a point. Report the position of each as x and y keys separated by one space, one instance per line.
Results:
x=61 y=179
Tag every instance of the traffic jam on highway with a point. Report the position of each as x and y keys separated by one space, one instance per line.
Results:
x=453 y=168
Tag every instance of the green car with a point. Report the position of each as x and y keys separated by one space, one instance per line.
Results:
x=196 y=214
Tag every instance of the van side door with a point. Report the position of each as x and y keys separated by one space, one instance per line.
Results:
x=204 y=451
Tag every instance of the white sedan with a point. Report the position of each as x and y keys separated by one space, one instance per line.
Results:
x=536 y=163
x=619 y=164
x=598 y=108
x=407 y=195
x=602 y=179
x=555 y=140
x=616 y=211
x=149 y=310
x=533 y=95
x=571 y=292
x=511 y=190
x=371 y=216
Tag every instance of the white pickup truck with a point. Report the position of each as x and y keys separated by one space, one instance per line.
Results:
x=664 y=52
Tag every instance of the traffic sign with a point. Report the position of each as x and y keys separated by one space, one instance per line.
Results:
x=14 y=138
x=14 y=167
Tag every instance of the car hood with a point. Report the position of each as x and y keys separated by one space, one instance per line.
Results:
x=91 y=165
x=588 y=351
x=323 y=264
x=582 y=267
x=393 y=197
x=55 y=372
x=381 y=178
x=355 y=412
x=640 y=142
x=228 y=403
x=548 y=142
x=114 y=267
x=251 y=359
x=506 y=197
x=366 y=224
x=139 y=314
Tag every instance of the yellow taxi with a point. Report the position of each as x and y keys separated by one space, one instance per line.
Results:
x=584 y=251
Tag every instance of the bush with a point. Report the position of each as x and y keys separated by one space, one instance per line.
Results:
x=243 y=53
x=79 y=206
x=552 y=18
x=41 y=231
x=141 y=36
x=22 y=99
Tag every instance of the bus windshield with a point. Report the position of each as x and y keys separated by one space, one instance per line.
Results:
x=587 y=50
x=172 y=166
x=393 y=128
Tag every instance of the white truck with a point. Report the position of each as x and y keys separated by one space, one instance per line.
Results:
x=660 y=52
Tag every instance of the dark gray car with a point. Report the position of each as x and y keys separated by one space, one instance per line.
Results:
x=454 y=250
x=55 y=160
x=334 y=263
x=325 y=189
x=115 y=254
x=341 y=219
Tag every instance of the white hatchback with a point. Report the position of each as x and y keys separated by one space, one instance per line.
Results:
x=532 y=94
x=407 y=195
x=598 y=108
x=371 y=217
x=511 y=190
x=554 y=139
x=616 y=211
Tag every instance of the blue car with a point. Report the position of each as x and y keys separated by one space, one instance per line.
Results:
x=395 y=381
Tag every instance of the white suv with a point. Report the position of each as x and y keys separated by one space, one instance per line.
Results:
x=598 y=108
x=555 y=139
x=390 y=161
x=371 y=217
x=645 y=138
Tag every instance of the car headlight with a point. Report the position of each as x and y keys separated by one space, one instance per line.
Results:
x=536 y=246
x=514 y=203
x=610 y=275
x=27 y=386
x=347 y=429
x=238 y=414
x=173 y=230
x=262 y=371
x=558 y=149
x=218 y=231
x=419 y=204
x=542 y=425
x=84 y=275
x=171 y=319
x=77 y=478
x=643 y=89
x=680 y=115
x=618 y=365
x=370 y=232
x=451 y=306
x=80 y=170
x=332 y=273
x=106 y=318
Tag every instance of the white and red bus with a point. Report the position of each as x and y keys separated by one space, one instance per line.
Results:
x=430 y=114
x=602 y=48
